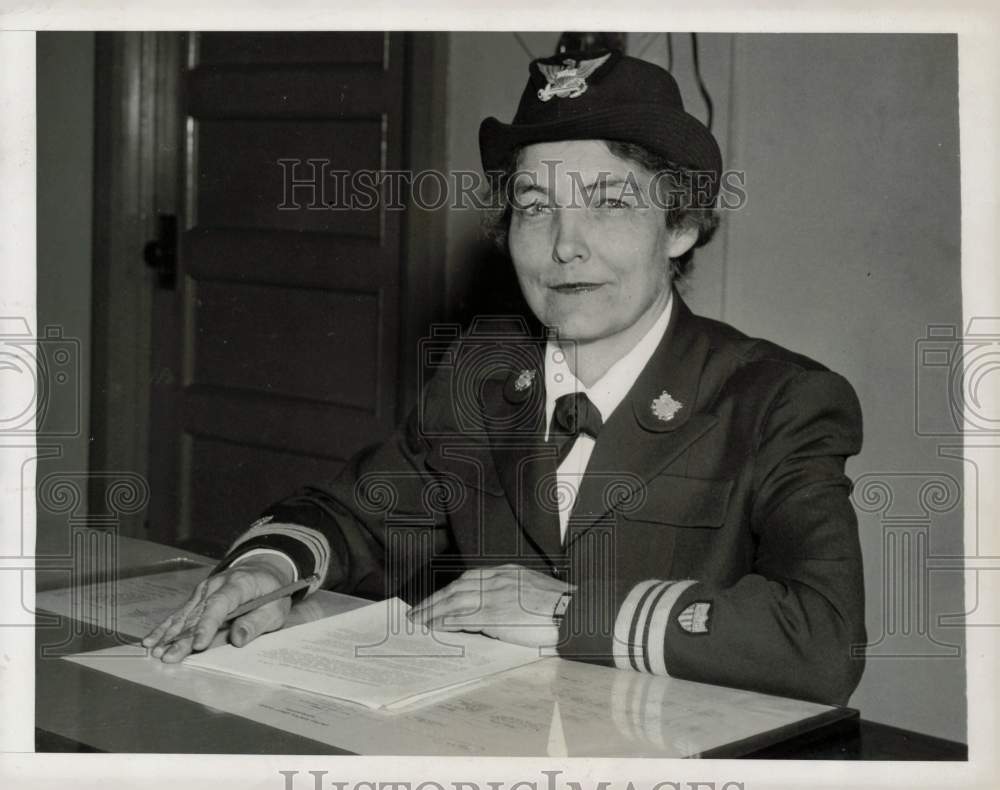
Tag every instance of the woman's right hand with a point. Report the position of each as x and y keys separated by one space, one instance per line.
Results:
x=214 y=598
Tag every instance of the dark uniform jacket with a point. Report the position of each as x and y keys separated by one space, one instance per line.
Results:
x=722 y=468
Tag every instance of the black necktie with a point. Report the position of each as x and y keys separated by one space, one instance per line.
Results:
x=574 y=414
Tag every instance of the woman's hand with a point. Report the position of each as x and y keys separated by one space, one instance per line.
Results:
x=217 y=596
x=508 y=602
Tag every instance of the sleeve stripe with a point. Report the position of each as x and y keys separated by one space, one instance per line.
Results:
x=648 y=647
x=637 y=632
x=268 y=535
x=272 y=552
x=641 y=624
x=623 y=621
x=657 y=630
x=316 y=541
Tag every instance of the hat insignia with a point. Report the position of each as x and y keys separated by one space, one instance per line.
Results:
x=524 y=380
x=568 y=79
x=665 y=407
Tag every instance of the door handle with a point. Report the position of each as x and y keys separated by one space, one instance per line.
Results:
x=161 y=253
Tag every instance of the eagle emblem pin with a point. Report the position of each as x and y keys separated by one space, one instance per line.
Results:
x=568 y=79
x=524 y=380
x=664 y=406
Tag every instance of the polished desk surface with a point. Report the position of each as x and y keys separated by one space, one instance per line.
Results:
x=80 y=709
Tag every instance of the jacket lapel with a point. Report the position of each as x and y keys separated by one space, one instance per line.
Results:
x=655 y=423
x=514 y=412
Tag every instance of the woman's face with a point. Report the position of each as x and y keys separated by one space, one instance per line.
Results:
x=591 y=249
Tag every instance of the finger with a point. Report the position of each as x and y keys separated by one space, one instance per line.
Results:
x=193 y=624
x=154 y=636
x=438 y=624
x=210 y=618
x=460 y=601
x=435 y=603
x=177 y=651
x=179 y=615
x=458 y=619
x=183 y=622
x=185 y=617
x=471 y=583
x=269 y=617
x=173 y=626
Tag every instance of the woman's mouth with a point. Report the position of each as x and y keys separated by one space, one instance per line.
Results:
x=576 y=288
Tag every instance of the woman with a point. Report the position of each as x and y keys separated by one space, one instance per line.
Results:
x=642 y=487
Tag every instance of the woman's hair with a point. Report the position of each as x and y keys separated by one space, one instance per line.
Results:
x=678 y=191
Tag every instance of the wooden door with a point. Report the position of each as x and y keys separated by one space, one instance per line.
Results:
x=276 y=349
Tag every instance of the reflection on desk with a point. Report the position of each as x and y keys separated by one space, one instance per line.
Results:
x=552 y=707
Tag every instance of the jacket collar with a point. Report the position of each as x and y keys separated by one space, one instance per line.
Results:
x=635 y=444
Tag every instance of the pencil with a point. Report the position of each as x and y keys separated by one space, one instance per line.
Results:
x=256 y=603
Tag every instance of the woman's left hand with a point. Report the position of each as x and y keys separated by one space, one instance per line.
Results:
x=509 y=602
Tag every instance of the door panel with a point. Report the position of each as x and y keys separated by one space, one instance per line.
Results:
x=260 y=48
x=281 y=339
x=241 y=181
x=333 y=345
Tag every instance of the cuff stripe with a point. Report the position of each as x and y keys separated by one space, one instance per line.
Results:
x=647 y=647
x=637 y=632
x=268 y=535
x=623 y=622
x=316 y=541
x=273 y=553
x=657 y=632
x=642 y=622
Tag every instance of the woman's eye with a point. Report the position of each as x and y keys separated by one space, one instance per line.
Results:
x=534 y=209
x=612 y=203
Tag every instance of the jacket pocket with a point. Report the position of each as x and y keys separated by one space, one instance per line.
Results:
x=473 y=466
x=682 y=502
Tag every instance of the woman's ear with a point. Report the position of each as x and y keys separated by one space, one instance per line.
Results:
x=681 y=240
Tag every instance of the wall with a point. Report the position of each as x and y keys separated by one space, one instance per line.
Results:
x=65 y=117
x=846 y=250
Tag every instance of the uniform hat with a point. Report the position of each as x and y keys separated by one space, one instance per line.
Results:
x=605 y=96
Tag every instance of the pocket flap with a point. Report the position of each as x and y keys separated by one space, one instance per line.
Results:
x=472 y=465
x=682 y=502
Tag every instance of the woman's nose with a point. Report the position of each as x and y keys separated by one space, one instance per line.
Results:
x=570 y=242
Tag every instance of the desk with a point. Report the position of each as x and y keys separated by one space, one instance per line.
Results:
x=80 y=709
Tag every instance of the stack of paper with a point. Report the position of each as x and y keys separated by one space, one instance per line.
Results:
x=372 y=655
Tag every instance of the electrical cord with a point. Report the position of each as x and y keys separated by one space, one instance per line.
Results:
x=709 y=106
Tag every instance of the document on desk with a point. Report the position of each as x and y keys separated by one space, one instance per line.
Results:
x=131 y=606
x=372 y=656
x=550 y=707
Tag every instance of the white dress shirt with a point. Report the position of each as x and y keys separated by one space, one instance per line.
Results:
x=606 y=394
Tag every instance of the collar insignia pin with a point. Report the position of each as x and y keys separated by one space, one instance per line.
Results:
x=524 y=380
x=569 y=79
x=665 y=407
